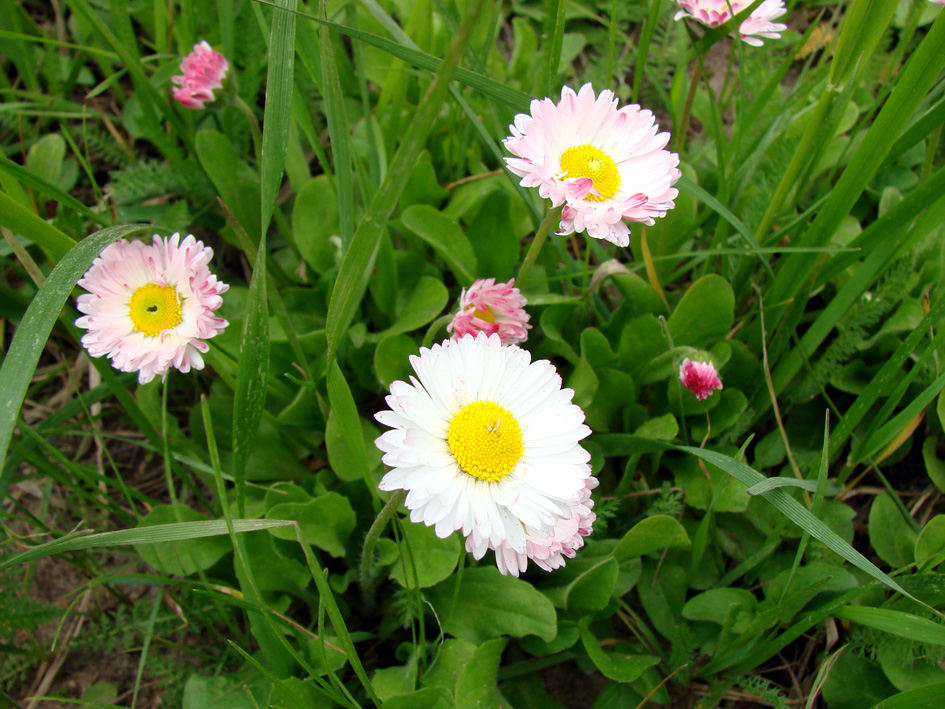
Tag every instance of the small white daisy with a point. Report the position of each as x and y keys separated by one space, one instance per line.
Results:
x=486 y=441
x=603 y=164
x=150 y=306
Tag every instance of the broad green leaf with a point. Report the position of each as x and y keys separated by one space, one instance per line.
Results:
x=586 y=582
x=454 y=654
x=34 y=329
x=490 y=605
x=344 y=412
x=22 y=221
x=45 y=158
x=272 y=570
x=649 y=535
x=616 y=664
x=426 y=302
x=426 y=698
x=855 y=682
x=704 y=314
x=661 y=428
x=314 y=222
x=930 y=545
x=921 y=698
x=715 y=605
x=147 y=535
x=344 y=462
x=890 y=535
x=395 y=681
x=493 y=237
x=446 y=237
x=185 y=557
x=235 y=183
x=435 y=558
x=391 y=359
x=476 y=685
x=718 y=490
x=326 y=521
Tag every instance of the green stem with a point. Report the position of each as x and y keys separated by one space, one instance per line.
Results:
x=552 y=217
x=374 y=533
x=253 y=125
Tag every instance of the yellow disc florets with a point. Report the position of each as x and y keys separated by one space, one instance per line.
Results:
x=486 y=440
x=154 y=309
x=588 y=161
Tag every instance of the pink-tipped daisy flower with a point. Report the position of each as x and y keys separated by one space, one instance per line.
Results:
x=492 y=308
x=603 y=164
x=701 y=378
x=149 y=307
x=204 y=72
x=759 y=24
x=487 y=442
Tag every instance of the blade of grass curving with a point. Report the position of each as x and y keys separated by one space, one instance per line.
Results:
x=277 y=115
x=554 y=32
x=50 y=190
x=933 y=118
x=905 y=625
x=173 y=532
x=36 y=325
x=643 y=49
x=352 y=278
x=800 y=515
x=506 y=95
x=22 y=221
x=924 y=697
x=338 y=132
x=914 y=83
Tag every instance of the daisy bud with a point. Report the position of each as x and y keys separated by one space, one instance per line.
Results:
x=713 y=13
x=204 y=72
x=150 y=306
x=492 y=308
x=701 y=378
x=603 y=164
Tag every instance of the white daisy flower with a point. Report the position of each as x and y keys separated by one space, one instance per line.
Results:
x=486 y=441
x=603 y=164
x=150 y=306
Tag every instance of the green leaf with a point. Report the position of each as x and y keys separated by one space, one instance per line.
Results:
x=905 y=625
x=446 y=238
x=890 y=535
x=185 y=557
x=45 y=158
x=476 y=685
x=587 y=582
x=391 y=359
x=490 y=605
x=435 y=558
x=705 y=314
x=649 y=535
x=426 y=698
x=344 y=462
x=344 y=413
x=615 y=664
x=452 y=657
x=715 y=605
x=278 y=111
x=34 y=329
x=931 y=543
x=776 y=482
x=234 y=181
x=921 y=698
x=326 y=521
x=22 y=221
x=426 y=302
x=314 y=222
x=661 y=428
x=149 y=535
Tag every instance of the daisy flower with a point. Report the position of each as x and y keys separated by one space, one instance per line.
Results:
x=487 y=442
x=701 y=378
x=204 y=72
x=759 y=24
x=603 y=164
x=150 y=306
x=492 y=308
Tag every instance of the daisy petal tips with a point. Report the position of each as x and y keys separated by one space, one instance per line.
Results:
x=603 y=164
x=204 y=72
x=492 y=308
x=701 y=378
x=759 y=26
x=487 y=442
x=149 y=307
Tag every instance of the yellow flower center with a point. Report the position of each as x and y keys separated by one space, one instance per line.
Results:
x=588 y=161
x=486 y=440
x=485 y=314
x=155 y=308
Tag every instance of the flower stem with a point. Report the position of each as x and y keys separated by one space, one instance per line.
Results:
x=374 y=533
x=552 y=217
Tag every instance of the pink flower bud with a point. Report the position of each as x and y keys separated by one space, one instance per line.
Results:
x=204 y=71
x=492 y=308
x=701 y=378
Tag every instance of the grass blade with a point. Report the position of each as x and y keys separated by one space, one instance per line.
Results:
x=22 y=221
x=905 y=625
